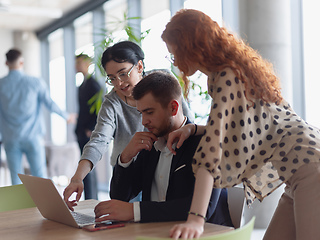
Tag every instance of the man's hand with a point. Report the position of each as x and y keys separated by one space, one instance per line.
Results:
x=88 y=133
x=114 y=210
x=140 y=141
x=72 y=118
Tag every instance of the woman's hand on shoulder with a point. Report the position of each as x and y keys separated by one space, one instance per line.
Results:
x=179 y=136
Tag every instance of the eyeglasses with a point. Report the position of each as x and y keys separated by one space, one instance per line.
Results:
x=122 y=76
x=170 y=58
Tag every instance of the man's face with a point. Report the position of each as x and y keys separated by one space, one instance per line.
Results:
x=82 y=65
x=155 y=118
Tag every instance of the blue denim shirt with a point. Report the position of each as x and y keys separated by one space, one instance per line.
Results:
x=21 y=98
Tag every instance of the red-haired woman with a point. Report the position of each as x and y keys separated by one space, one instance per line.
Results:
x=252 y=135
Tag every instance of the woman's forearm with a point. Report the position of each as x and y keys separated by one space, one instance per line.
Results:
x=194 y=226
x=199 y=129
x=202 y=192
x=84 y=167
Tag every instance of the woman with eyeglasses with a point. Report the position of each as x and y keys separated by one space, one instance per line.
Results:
x=118 y=119
x=252 y=136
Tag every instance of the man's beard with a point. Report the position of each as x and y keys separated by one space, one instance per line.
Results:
x=164 y=129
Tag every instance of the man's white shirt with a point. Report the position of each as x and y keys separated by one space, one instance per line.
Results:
x=161 y=176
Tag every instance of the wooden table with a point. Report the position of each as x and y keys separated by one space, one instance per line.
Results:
x=29 y=224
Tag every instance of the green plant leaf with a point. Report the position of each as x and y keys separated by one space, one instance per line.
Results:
x=119 y=24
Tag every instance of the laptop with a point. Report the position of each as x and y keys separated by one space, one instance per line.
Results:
x=50 y=204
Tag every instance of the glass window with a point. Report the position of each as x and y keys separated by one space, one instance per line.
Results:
x=311 y=63
x=155 y=16
x=83 y=31
x=212 y=8
x=84 y=41
x=199 y=101
x=57 y=86
x=115 y=12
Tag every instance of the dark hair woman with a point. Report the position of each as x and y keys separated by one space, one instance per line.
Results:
x=118 y=119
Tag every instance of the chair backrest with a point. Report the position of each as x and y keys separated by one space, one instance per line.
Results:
x=242 y=233
x=15 y=197
x=236 y=201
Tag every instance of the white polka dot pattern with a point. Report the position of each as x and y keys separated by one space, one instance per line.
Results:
x=260 y=144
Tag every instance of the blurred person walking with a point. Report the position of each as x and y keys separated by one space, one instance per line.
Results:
x=21 y=121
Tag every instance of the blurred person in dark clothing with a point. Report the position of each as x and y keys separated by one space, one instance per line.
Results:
x=86 y=119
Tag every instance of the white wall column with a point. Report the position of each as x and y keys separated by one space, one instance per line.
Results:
x=6 y=45
x=98 y=22
x=266 y=26
x=70 y=72
x=45 y=58
x=29 y=44
x=176 y=5
x=134 y=10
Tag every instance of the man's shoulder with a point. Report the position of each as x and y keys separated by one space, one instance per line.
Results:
x=93 y=83
x=192 y=140
x=30 y=78
x=145 y=155
x=93 y=80
x=19 y=76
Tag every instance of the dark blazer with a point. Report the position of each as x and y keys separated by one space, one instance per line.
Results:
x=127 y=182
x=86 y=120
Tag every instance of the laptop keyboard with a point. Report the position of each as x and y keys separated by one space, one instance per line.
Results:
x=83 y=218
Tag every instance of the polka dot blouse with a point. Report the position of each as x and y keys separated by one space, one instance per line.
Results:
x=257 y=143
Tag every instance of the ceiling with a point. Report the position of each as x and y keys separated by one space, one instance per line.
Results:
x=32 y=15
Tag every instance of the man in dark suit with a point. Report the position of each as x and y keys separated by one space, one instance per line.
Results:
x=166 y=180
x=86 y=119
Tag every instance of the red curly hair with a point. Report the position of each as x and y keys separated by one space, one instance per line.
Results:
x=196 y=38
